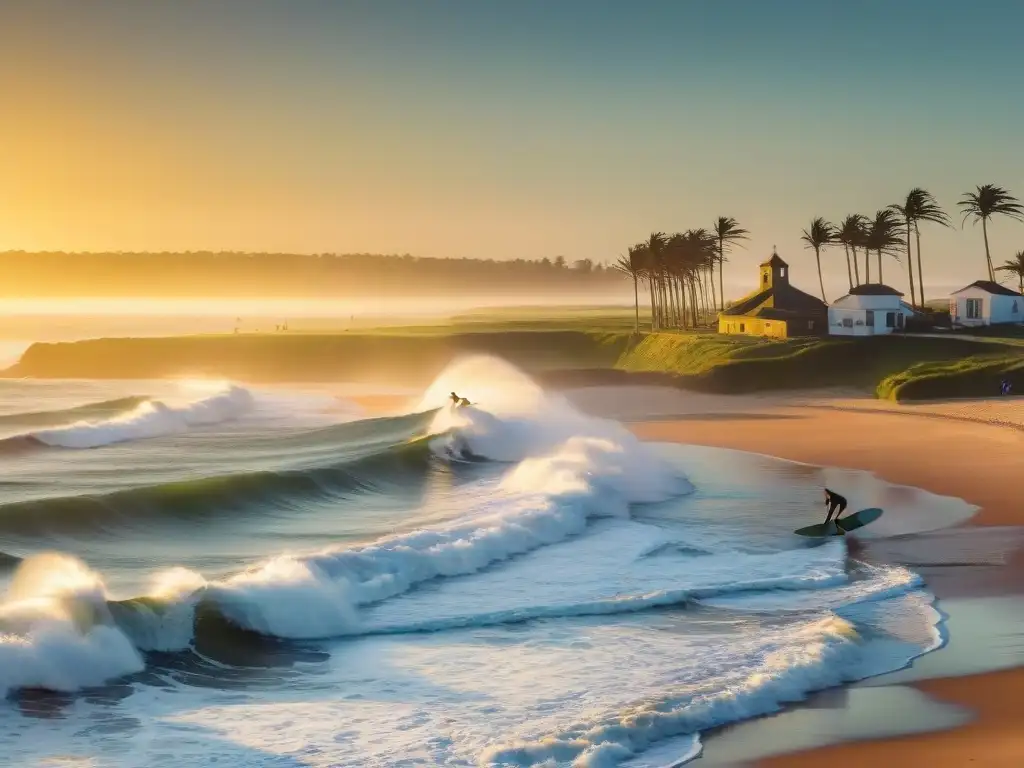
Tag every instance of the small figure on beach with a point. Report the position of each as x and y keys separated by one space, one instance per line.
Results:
x=836 y=505
x=1005 y=387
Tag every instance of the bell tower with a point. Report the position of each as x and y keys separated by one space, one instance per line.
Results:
x=774 y=272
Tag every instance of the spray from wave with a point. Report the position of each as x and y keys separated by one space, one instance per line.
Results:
x=56 y=631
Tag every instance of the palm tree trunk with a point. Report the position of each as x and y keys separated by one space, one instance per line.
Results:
x=867 y=264
x=910 y=268
x=693 y=303
x=636 y=306
x=988 y=256
x=849 y=271
x=675 y=300
x=681 y=302
x=711 y=284
x=660 y=301
x=680 y=289
x=880 y=266
x=702 y=294
x=920 y=274
x=856 y=266
x=705 y=296
x=721 y=266
x=667 y=287
x=817 y=256
x=666 y=303
x=654 y=310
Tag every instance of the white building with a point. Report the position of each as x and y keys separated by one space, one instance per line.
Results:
x=985 y=303
x=868 y=310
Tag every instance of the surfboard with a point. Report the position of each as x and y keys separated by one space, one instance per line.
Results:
x=843 y=525
x=859 y=519
x=820 y=530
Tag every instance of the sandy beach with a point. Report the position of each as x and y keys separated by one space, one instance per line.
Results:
x=971 y=450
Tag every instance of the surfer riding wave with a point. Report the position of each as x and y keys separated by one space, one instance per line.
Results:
x=836 y=505
x=459 y=402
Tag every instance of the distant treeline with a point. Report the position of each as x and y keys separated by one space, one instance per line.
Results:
x=201 y=273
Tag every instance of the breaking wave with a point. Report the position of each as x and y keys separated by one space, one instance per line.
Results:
x=151 y=418
x=100 y=409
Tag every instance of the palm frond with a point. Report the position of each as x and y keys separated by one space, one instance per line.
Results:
x=819 y=234
x=989 y=200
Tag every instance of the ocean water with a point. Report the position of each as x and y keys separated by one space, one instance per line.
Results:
x=203 y=573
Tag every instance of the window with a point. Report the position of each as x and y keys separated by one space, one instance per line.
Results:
x=847 y=322
x=810 y=325
x=900 y=321
x=766 y=278
x=890 y=319
x=743 y=327
x=782 y=272
x=974 y=307
x=869 y=317
x=1014 y=310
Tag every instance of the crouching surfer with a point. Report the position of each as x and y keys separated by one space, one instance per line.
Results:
x=836 y=505
x=459 y=402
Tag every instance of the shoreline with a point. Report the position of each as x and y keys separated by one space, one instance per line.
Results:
x=971 y=451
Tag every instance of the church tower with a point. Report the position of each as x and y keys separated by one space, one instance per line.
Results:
x=774 y=272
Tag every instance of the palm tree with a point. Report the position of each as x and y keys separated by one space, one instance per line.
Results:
x=654 y=248
x=982 y=204
x=850 y=233
x=700 y=256
x=1015 y=266
x=882 y=236
x=632 y=264
x=918 y=206
x=819 y=235
x=861 y=239
x=643 y=258
x=726 y=230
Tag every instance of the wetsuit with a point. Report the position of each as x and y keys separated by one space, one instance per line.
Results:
x=836 y=505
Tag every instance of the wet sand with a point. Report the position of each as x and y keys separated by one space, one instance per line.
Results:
x=971 y=450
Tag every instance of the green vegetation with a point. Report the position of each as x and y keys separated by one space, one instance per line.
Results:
x=975 y=376
x=730 y=364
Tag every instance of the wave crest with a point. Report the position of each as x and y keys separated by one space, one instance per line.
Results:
x=149 y=419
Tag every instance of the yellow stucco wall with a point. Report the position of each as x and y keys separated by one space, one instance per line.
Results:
x=752 y=326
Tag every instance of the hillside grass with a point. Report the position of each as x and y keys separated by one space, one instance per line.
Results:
x=894 y=367
x=974 y=376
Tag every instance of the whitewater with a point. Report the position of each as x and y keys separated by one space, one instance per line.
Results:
x=267 y=577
